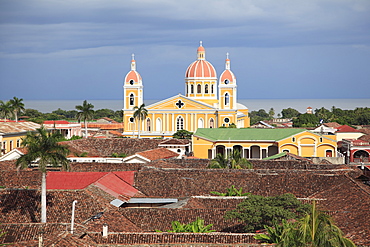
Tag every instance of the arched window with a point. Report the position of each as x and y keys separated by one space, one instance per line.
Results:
x=199 y=88
x=200 y=123
x=132 y=99
x=211 y=123
x=158 y=125
x=206 y=89
x=148 y=124
x=212 y=88
x=179 y=123
x=192 y=88
x=227 y=99
x=131 y=82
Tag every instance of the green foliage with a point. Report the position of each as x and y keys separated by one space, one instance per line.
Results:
x=84 y=154
x=70 y=139
x=260 y=115
x=182 y=134
x=120 y=155
x=140 y=113
x=315 y=229
x=306 y=120
x=196 y=226
x=232 y=191
x=259 y=211
x=233 y=161
x=274 y=233
x=290 y=113
x=43 y=146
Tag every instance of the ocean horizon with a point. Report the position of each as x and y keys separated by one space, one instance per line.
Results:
x=47 y=106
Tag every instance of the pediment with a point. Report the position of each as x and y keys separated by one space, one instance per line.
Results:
x=179 y=102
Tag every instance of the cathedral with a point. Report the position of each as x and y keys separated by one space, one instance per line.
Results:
x=208 y=102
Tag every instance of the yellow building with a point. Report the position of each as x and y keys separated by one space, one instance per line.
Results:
x=11 y=134
x=208 y=102
x=261 y=143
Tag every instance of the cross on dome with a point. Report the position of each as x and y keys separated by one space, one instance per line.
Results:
x=200 y=43
x=227 y=55
x=133 y=56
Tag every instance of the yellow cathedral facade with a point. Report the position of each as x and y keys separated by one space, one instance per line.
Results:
x=208 y=102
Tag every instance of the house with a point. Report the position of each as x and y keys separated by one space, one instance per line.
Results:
x=261 y=143
x=66 y=128
x=180 y=146
x=151 y=155
x=355 y=151
x=142 y=192
x=11 y=134
x=209 y=102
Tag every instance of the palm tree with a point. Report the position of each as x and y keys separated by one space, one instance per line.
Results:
x=43 y=148
x=6 y=109
x=140 y=114
x=314 y=230
x=17 y=106
x=233 y=161
x=85 y=113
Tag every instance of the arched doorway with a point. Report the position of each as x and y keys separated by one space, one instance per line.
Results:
x=272 y=150
x=255 y=152
x=239 y=148
x=158 y=125
x=361 y=156
x=200 y=123
x=220 y=149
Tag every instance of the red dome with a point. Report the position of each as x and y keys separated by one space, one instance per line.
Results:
x=227 y=75
x=201 y=68
x=133 y=75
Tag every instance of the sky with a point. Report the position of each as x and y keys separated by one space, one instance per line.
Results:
x=286 y=49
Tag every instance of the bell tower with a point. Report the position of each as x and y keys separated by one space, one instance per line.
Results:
x=132 y=88
x=227 y=87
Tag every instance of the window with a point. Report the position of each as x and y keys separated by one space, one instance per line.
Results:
x=206 y=89
x=293 y=139
x=226 y=81
x=192 y=88
x=132 y=99
x=212 y=88
x=131 y=82
x=148 y=124
x=226 y=120
x=227 y=99
x=199 y=88
x=321 y=141
x=18 y=143
x=200 y=123
x=158 y=125
x=211 y=123
x=131 y=119
x=329 y=153
x=179 y=123
x=286 y=150
x=10 y=145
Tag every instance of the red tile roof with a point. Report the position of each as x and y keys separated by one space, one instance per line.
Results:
x=346 y=128
x=115 y=186
x=80 y=180
x=158 y=153
x=56 y=122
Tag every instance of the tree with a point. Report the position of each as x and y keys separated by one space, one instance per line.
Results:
x=182 y=134
x=17 y=106
x=140 y=114
x=315 y=229
x=290 y=113
x=258 y=211
x=85 y=113
x=43 y=148
x=306 y=120
x=233 y=161
x=6 y=109
x=232 y=191
x=196 y=226
x=271 y=113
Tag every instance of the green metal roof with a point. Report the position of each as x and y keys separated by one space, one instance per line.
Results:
x=247 y=134
x=275 y=156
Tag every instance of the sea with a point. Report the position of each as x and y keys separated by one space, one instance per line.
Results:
x=47 y=106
